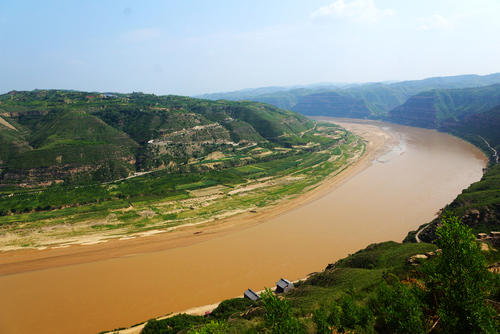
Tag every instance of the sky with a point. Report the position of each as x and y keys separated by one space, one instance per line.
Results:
x=190 y=47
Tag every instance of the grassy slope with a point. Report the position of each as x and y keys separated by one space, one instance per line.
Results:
x=77 y=138
x=477 y=128
x=12 y=143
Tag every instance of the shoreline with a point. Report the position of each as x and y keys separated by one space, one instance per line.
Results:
x=197 y=310
x=376 y=152
x=378 y=142
x=135 y=283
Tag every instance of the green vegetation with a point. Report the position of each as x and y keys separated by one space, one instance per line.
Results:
x=437 y=108
x=172 y=325
x=480 y=129
x=399 y=308
x=372 y=100
x=241 y=179
x=278 y=315
x=51 y=136
x=459 y=282
x=377 y=290
x=213 y=327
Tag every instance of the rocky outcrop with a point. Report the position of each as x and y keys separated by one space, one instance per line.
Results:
x=481 y=219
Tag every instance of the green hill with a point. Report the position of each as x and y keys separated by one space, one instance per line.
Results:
x=481 y=129
x=56 y=136
x=434 y=108
x=341 y=100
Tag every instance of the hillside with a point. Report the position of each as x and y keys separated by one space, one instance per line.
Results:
x=478 y=205
x=385 y=288
x=481 y=129
x=337 y=100
x=50 y=136
x=329 y=103
x=434 y=108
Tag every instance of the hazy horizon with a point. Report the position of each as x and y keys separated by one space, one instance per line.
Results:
x=196 y=47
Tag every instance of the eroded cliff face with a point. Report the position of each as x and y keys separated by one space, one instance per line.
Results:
x=103 y=170
x=435 y=108
x=332 y=104
x=483 y=219
x=419 y=110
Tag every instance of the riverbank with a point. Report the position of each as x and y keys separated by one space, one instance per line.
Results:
x=378 y=143
x=90 y=249
x=130 y=210
x=142 y=278
x=359 y=273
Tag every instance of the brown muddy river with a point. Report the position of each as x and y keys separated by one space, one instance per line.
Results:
x=387 y=196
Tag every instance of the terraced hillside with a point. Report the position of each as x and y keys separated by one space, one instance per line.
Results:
x=78 y=137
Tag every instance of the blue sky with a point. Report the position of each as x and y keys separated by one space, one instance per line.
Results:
x=190 y=47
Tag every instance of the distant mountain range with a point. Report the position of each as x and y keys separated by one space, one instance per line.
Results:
x=371 y=100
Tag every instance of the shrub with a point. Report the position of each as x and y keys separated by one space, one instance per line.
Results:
x=279 y=316
x=398 y=309
x=459 y=281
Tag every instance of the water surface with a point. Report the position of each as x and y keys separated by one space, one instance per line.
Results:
x=397 y=192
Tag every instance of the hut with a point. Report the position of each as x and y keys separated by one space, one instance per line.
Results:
x=482 y=236
x=283 y=285
x=252 y=295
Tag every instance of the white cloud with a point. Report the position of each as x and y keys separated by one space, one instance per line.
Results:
x=357 y=10
x=435 y=22
x=140 y=35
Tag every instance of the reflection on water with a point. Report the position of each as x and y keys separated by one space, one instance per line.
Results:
x=383 y=202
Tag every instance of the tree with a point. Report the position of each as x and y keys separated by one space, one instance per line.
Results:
x=344 y=317
x=320 y=319
x=398 y=309
x=279 y=316
x=459 y=281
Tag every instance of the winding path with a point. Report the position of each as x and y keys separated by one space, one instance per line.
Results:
x=417 y=236
x=495 y=153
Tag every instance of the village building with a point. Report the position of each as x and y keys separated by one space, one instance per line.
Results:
x=252 y=295
x=283 y=285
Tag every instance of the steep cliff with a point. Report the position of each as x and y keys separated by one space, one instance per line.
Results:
x=434 y=108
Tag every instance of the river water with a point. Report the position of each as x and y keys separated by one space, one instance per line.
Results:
x=396 y=192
